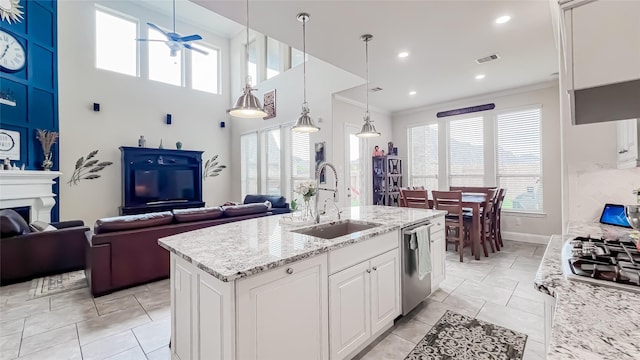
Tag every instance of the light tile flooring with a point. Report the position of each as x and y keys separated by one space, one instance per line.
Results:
x=135 y=323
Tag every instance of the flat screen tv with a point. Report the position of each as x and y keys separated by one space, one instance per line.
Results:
x=163 y=185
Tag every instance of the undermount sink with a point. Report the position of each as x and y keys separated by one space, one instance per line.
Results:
x=336 y=229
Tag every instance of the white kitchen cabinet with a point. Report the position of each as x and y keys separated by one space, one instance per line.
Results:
x=182 y=320
x=628 y=140
x=283 y=313
x=438 y=254
x=602 y=42
x=363 y=300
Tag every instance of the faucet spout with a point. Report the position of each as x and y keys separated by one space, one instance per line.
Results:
x=321 y=167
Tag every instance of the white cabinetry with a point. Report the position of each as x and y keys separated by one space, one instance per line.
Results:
x=438 y=253
x=628 y=140
x=364 y=299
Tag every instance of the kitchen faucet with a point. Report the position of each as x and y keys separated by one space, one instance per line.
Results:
x=334 y=191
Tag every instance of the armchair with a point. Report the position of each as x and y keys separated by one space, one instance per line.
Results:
x=27 y=254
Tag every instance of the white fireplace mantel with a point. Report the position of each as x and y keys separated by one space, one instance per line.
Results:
x=29 y=188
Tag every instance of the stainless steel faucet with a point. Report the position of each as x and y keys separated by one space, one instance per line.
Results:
x=334 y=191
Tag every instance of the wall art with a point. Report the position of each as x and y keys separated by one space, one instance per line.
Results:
x=320 y=158
x=270 y=104
x=9 y=144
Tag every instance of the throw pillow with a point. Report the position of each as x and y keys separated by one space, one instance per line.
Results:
x=268 y=203
x=41 y=226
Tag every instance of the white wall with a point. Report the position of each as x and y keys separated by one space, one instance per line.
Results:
x=519 y=226
x=130 y=107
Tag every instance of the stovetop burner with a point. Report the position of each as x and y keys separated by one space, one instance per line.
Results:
x=605 y=260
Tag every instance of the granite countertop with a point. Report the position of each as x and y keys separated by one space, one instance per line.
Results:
x=244 y=248
x=590 y=321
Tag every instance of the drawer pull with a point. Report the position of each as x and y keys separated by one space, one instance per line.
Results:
x=289 y=271
x=375 y=268
x=369 y=270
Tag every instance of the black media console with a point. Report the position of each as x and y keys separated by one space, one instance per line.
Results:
x=160 y=180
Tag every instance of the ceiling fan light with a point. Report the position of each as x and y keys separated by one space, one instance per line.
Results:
x=305 y=123
x=247 y=106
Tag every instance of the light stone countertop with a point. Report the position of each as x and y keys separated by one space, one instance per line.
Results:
x=244 y=248
x=591 y=321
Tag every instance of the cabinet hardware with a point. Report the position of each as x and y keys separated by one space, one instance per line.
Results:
x=289 y=271
x=375 y=268
x=369 y=270
x=623 y=151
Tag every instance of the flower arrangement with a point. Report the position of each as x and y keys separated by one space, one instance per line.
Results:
x=47 y=139
x=307 y=189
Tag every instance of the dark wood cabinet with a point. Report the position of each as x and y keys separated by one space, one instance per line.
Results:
x=387 y=180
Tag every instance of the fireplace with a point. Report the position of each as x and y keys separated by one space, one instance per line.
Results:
x=24 y=212
x=28 y=189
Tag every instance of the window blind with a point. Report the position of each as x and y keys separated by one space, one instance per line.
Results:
x=423 y=156
x=300 y=159
x=466 y=152
x=272 y=162
x=518 y=158
x=249 y=163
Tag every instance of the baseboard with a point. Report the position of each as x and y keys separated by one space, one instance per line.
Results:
x=524 y=237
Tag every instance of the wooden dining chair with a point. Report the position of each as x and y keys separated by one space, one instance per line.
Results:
x=471 y=189
x=451 y=201
x=486 y=220
x=497 y=216
x=414 y=199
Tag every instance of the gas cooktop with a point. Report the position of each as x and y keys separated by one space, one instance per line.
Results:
x=614 y=263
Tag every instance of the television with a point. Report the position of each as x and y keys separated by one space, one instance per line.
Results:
x=163 y=185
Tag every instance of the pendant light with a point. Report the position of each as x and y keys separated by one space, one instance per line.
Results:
x=247 y=106
x=368 y=130
x=305 y=122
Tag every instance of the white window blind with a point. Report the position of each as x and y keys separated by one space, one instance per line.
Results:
x=272 y=168
x=162 y=66
x=518 y=157
x=115 y=48
x=423 y=156
x=300 y=159
x=249 y=163
x=205 y=70
x=466 y=152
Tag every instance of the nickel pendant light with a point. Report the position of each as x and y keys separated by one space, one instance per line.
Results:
x=368 y=130
x=247 y=106
x=305 y=122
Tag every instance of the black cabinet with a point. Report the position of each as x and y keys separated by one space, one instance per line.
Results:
x=160 y=180
x=387 y=180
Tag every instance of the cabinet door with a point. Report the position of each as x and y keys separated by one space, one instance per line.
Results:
x=182 y=339
x=606 y=42
x=282 y=314
x=385 y=289
x=628 y=138
x=437 y=259
x=349 y=316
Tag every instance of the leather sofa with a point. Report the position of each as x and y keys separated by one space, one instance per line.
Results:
x=279 y=204
x=124 y=252
x=26 y=253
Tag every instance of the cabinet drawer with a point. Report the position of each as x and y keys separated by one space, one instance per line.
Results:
x=350 y=255
x=438 y=224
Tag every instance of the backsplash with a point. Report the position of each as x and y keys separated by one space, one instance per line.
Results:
x=589 y=190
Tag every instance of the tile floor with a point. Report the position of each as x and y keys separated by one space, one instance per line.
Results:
x=135 y=323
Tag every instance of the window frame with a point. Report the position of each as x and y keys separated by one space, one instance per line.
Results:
x=410 y=176
x=207 y=47
x=183 y=58
x=123 y=16
x=243 y=165
x=448 y=147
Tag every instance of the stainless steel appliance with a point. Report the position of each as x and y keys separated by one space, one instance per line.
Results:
x=613 y=263
x=414 y=290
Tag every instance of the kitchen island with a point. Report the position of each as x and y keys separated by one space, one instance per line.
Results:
x=589 y=321
x=256 y=287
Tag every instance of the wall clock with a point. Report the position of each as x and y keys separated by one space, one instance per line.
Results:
x=12 y=55
x=10 y=11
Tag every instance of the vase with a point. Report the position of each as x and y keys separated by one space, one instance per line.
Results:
x=47 y=164
x=307 y=212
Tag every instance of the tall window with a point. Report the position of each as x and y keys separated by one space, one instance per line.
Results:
x=297 y=57
x=204 y=70
x=272 y=168
x=518 y=157
x=252 y=62
x=273 y=57
x=165 y=65
x=423 y=156
x=466 y=152
x=300 y=159
x=116 y=49
x=249 y=163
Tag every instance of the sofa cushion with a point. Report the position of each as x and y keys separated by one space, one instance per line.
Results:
x=119 y=223
x=12 y=224
x=197 y=214
x=246 y=209
x=276 y=201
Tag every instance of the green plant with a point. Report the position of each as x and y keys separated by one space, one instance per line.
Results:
x=212 y=167
x=294 y=205
x=87 y=168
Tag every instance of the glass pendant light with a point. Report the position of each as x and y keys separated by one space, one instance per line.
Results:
x=247 y=106
x=368 y=130
x=305 y=122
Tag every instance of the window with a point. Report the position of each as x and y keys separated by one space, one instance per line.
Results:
x=272 y=168
x=204 y=70
x=423 y=156
x=273 y=57
x=297 y=57
x=518 y=158
x=466 y=152
x=252 y=62
x=115 y=48
x=165 y=64
x=300 y=159
x=249 y=163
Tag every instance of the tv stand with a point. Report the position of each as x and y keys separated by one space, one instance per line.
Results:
x=165 y=206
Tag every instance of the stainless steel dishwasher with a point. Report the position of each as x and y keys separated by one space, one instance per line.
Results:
x=414 y=290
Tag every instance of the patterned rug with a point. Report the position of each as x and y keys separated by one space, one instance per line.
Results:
x=457 y=336
x=56 y=284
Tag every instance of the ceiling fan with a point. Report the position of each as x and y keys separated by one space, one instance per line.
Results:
x=174 y=40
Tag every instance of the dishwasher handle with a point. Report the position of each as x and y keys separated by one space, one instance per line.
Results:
x=412 y=238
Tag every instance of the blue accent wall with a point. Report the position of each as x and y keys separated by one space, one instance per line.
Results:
x=35 y=87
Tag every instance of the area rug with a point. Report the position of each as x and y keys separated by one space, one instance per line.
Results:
x=457 y=336
x=56 y=284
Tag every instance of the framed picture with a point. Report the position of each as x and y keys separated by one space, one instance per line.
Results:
x=9 y=144
x=270 y=104
x=320 y=158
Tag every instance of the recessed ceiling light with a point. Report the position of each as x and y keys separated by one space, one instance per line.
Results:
x=503 y=19
x=479 y=76
x=403 y=54
x=412 y=92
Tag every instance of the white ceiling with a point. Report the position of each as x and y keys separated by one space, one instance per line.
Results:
x=443 y=37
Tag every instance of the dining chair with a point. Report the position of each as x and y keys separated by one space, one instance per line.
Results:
x=414 y=199
x=471 y=189
x=451 y=202
x=486 y=218
x=497 y=216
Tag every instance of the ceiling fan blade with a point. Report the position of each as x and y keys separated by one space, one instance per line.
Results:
x=191 y=38
x=195 y=49
x=150 y=40
x=152 y=25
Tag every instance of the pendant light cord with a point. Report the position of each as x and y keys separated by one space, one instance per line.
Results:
x=247 y=48
x=366 y=56
x=304 y=60
x=174 y=16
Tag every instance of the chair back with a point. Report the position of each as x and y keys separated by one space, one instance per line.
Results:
x=472 y=189
x=414 y=199
x=499 y=200
x=449 y=201
x=489 y=203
